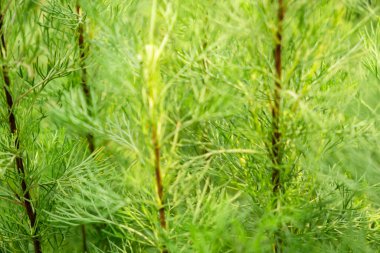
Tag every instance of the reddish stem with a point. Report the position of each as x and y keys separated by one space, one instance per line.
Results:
x=26 y=197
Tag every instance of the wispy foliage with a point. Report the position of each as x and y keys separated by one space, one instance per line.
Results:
x=190 y=126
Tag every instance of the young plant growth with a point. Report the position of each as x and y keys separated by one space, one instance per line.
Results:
x=189 y=126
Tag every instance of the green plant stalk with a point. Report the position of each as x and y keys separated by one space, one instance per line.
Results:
x=87 y=94
x=276 y=151
x=152 y=75
x=26 y=199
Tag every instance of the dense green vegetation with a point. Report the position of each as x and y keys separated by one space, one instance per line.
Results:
x=190 y=126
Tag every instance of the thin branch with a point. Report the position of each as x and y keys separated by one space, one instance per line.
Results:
x=276 y=149
x=159 y=185
x=87 y=94
x=276 y=105
x=84 y=83
x=26 y=198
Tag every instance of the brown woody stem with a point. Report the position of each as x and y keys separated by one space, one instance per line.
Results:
x=276 y=114
x=87 y=94
x=26 y=197
x=276 y=106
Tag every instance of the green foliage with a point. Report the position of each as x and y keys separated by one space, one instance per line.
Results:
x=180 y=97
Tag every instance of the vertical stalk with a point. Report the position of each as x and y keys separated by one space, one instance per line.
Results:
x=152 y=77
x=87 y=94
x=276 y=106
x=276 y=114
x=159 y=184
x=84 y=83
x=26 y=198
x=156 y=145
x=157 y=168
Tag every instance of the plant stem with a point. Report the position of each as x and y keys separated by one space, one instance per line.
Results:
x=159 y=185
x=276 y=106
x=84 y=83
x=26 y=198
x=87 y=94
x=276 y=112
